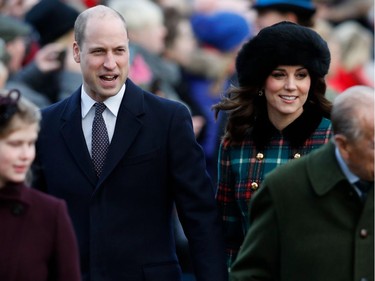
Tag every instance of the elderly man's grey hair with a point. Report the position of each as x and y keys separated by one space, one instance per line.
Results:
x=348 y=108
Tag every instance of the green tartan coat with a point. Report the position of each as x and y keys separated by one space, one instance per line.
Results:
x=307 y=223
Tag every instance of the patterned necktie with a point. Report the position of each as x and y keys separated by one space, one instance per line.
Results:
x=100 y=140
x=364 y=187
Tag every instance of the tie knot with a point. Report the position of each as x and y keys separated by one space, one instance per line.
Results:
x=99 y=108
x=364 y=186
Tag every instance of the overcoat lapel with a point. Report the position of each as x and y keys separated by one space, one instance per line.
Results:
x=71 y=130
x=324 y=170
x=127 y=127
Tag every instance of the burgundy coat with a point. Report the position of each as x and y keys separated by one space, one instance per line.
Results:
x=37 y=241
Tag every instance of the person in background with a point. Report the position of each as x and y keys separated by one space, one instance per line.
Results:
x=278 y=112
x=355 y=63
x=270 y=12
x=3 y=74
x=313 y=218
x=4 y=57
x=180 y=49
x=210 y=29
x=16 y=9
x=14 y=34
x=340 y=11
x=53 y=71
x=147 y=31
x=121 y=197
x=37 y=240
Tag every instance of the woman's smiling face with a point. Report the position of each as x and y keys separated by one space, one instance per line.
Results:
x=286 y=90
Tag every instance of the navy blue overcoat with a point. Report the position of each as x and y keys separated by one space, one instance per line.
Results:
x=123 y=221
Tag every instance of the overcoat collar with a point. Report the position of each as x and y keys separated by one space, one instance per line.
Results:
x=296 y=133
x=12 y=192
x=14 y=196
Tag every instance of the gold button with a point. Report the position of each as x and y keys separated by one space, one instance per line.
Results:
x=260 y=156
x=297 y=155
x=363 y=233
x=254 y=186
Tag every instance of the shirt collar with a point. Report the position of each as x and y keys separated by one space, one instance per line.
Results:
x=352 y=178
x=112 y=103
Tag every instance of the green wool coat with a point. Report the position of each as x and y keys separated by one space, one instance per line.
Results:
x=307 y=223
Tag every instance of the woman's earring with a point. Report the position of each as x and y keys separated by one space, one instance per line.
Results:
x=260 y=93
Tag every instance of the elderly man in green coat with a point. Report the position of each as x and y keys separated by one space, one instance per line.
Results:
x=310 y=220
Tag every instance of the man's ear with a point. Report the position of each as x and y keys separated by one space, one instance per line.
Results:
x=76 y=52
x=342 y=144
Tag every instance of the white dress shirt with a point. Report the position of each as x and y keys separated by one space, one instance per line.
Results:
x=109 y=115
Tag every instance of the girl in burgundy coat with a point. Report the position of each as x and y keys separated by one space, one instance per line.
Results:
x=37 y=241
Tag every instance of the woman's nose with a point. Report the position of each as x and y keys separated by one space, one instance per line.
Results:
x=290 y=83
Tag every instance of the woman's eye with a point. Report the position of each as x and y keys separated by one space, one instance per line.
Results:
x=14 y=143
x=277 y=75
x=301 y=75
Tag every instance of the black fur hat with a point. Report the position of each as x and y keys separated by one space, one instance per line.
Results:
x=283 y=43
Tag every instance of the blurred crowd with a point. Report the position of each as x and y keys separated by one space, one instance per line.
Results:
x=180 y=49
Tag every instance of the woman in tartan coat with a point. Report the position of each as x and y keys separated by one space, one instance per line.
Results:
x=277 y=112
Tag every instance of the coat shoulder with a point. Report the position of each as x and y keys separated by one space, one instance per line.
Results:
x=136 y=97
x=44 y=201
